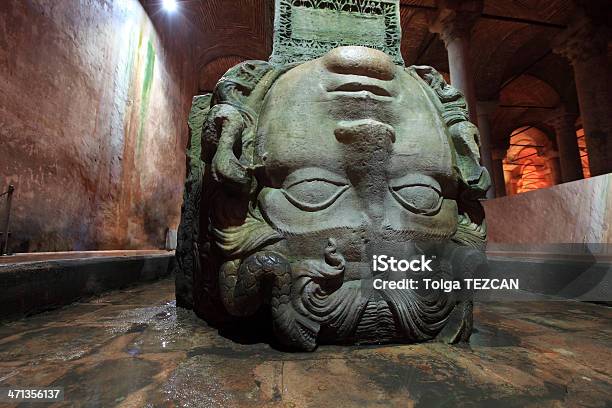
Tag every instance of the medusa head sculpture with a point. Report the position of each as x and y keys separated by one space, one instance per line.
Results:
x=304 y=172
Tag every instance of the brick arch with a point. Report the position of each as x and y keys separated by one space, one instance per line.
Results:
x=210 y=73
x=526 y=164
x=526 y=90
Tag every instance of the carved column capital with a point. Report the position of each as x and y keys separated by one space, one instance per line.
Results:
x=561 y=118
x=582 y=40
x=455 y=19
x=452 y=24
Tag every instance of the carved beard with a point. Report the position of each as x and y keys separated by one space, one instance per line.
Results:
x=311 y=302
x=357 y=313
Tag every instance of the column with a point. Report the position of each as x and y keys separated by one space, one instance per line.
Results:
x=567 y=143
x=484 y=110
x=553 y=160
x=585 y=45
x=454 y=23
x=513 y=186
x=499 y=181
x=508 y=179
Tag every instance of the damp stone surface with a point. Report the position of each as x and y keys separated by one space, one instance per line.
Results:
x=135 y=348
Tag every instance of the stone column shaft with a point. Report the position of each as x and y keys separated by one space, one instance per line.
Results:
x=555 y=166
x=461 y=72
x=484 y=110
x=585 y=45
x=567 y=143
x=596 y=111
x=499 y=181
x=453 y=23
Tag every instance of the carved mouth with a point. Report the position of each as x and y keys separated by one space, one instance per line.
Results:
x=358 y=87
x=361 y=89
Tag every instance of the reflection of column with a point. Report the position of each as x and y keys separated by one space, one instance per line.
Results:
x=585 y=45
x=567 y=143
x=485 y=109
x=454 y=23
x=497 y=174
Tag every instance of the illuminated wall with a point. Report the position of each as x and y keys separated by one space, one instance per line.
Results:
x=576 y=212
x=528 y=164
x=93 y=111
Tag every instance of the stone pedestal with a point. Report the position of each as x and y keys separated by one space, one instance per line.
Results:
x=585 y=45
x=569 y=155
x=454 y=23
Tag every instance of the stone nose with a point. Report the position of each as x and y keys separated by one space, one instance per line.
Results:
x=357 y=60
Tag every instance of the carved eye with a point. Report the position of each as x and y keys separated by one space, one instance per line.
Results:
x=314 y=194
x=418 y=198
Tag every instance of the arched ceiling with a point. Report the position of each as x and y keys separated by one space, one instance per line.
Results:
x=510 y=47
x=527 y=100
x=244 y=28
x=211 y=72
x=239 y=27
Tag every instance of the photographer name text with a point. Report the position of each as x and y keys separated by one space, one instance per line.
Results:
x=384 y=263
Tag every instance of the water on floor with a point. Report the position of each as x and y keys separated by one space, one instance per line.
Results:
x=134 y=348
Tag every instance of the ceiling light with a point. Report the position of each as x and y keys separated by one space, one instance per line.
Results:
x=170 y=5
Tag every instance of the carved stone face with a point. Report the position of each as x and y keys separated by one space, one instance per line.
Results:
x=309 y=171
x=354 y=149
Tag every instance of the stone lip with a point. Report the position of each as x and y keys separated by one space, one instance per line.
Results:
x=583 y=277
x=36 y=286
x=65 y=255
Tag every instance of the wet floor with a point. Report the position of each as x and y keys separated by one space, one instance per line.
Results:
x=134 y=348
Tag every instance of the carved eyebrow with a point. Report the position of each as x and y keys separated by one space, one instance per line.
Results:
x=415 y=180
x=304 y=180
x=313 y=174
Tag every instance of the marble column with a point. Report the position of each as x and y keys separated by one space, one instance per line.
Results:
x=454 y=23
x=508 y=178
x=497 y=172
x=585 y=45
x=484 y=110
x=555 y=166
x=513 y=186
x=567 y=143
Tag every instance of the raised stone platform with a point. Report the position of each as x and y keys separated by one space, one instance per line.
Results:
x=31 y=283
x=134 y=348
x=565 y=270
x=579 y=212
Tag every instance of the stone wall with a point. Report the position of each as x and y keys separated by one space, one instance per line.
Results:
x=95 y=98
x=577 y=212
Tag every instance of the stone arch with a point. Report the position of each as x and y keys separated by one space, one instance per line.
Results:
x=529 y=164
x=210 y=73
x=527 y=101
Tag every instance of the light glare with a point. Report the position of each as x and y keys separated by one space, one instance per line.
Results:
x=170 y=5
